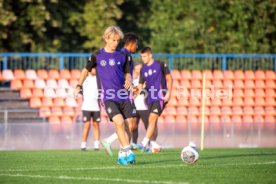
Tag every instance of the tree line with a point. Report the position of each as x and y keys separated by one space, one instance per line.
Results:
x=168 y=26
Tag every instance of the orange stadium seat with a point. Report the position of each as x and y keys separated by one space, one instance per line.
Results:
x=7 y=75
x=270 y=119
x=238 y=84
x=66 y=119
x=44 y=112
x=258 y=119
x=228 y=84
x=53 y=74
x=175 y=84
x=259 y=111
x=30 y=74
x=237 y=111
x=47 y=102
x=249 y=93
x=50 y=92
x=218 y=75
x=19 y=74
x=259 y=101
x=248 y=102
x=236 y=119
x=16 y=84
x=237 y=101
x=40 y=83
x=214 y=119
x=25 y=93
x=194 y=102
x=176 y=74
x=259 y=84
x=227 y=102
x=54 y=120
x=71 y=102
x=51 y=83
x=270 y=75
x=28 y=83
x=61 y=92
x=270 y=111
x=270 y=92
x=75 y=74
x=185 y=84
x=58 y=102
x=225 y=119
x=196 y=75
x=182 y=111
x=259 y=93
x=186 y=75
x=73 y=83
x=63 y=83
x=35 y=102
x=207 y=102
x=172 y=103
x=208 y=74
x=56 y=111
x=249 y=84
x=259 y=75
x=65 y=74
x=170 y=111
x=228 y=75
x=217 y=84
x=37 y=92
x=193 y=119
x=270 y=101
x=181 y=119
x=216 y=102
x=215 y=111
x=249 y=75
x=169 y=119
x=193 y=111
x=196 y=84
x=238 y=75
x=42 y=74
x=247 y=119
x=68 y=111
x=248 y=111
x=270 y=84
x=183 y=102
x=238 y=93
x=226 y=111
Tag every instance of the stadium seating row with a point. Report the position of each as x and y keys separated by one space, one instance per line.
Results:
x=184 y=74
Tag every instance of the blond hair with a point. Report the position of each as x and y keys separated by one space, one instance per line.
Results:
x=113 y=30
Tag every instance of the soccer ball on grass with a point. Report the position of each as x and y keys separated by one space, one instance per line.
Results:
x=189 y=154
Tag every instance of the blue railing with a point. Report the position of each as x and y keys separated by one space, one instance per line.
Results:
x=174 y=61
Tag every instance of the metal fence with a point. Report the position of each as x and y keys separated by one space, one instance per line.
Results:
x=174 y=61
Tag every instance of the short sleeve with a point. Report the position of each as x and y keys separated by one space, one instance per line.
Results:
x=127 y=64
x=141 y=78
x=91 y=63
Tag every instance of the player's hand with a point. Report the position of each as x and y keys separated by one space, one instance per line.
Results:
x=128 y=84
x=167 y=97
x=76 y=92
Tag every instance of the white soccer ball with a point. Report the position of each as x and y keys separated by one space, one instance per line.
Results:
x=189 y=154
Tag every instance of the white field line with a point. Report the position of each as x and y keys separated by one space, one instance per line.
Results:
x=139 y=167
x=92 y=179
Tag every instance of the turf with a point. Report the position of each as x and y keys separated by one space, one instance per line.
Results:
x=74 y=166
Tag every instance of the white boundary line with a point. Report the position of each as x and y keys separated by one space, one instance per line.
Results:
x=139 y=167
x=92 y=179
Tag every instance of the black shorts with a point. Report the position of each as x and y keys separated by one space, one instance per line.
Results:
x=113 y=108
x=157 y=107
x=87 y=115
x=134 y=111
x=144 y=115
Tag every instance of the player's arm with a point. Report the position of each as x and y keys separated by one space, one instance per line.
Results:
x=128 y=78
x=140 y=85
x=169 y=81
x=90 y=64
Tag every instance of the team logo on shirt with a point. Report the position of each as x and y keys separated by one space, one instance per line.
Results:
x=150 y=72
x=119 y=63
x=109 y=110
x=111 y=62
x=146 y=74
x=103 y=63
x=154 y=71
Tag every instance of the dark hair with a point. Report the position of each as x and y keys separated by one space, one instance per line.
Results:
x=130 y=37
x=146 y=49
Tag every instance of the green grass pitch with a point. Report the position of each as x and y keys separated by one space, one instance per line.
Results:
x=75 y=166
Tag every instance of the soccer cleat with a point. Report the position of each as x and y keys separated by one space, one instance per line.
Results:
x=107 y=147
x=83 y=149
x=144 y=149
x=134 y=146
x=131 y=158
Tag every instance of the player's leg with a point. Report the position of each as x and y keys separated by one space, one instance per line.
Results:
x=86 y=127
x=96 y=129
x=135 y=132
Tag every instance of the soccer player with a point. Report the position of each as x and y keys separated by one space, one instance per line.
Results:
x=90 y=110
x=130 y=46
x=113 y=72
x=158 y=81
